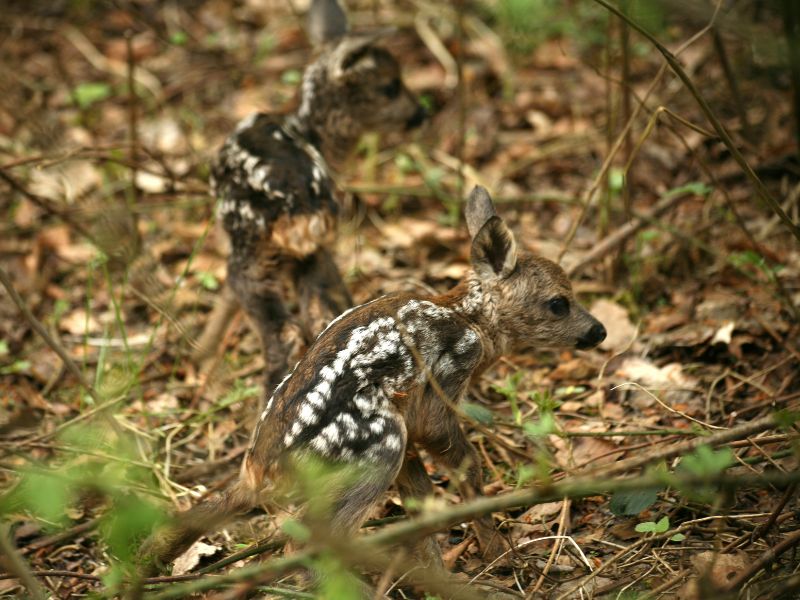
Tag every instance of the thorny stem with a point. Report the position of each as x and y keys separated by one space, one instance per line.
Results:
x=676 y=67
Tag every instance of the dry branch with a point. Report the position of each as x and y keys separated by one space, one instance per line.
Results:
x=676 y=67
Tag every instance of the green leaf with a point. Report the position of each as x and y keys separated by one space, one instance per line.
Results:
x=698 y=188
x=291 y=77
x=18 y=366
x=179 y=38
x=633 y=502
x=545 y=426
x=524 y=474
x=296 y=530
x=90 y=92
x=616 y=179
x=662 y=525
x=704 y=461
x=678 y=537
x=207 y=280
x=478 y=413
x=4 y=348
x=786 y=418
x=646 y=527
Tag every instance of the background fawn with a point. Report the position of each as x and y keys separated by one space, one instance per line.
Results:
x=385 y=377
x=277 y=199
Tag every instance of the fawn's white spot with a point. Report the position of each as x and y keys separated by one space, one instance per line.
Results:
x=467 y=342
x=247 y=122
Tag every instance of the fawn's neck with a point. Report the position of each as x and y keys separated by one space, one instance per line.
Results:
x=474 y=302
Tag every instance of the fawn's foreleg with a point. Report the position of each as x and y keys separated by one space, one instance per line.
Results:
x=323 y=294
x=450 y=447
x=261 y=296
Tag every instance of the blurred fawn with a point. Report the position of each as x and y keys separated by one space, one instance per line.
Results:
x=385 y=377
x=277 y=199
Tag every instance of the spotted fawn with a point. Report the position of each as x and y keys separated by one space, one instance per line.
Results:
x=384 y=379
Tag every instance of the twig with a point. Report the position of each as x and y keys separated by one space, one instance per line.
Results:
x=676 y=67
x=791 y=23
x=766 y=559
x=624 y=233
x=763 y=530
x=590 y=194
x=566 y=504
x=62 y=536
x=17 y=566
x=133 y=133
x=56 y=346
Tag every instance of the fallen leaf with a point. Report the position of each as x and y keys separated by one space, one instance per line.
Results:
x=191 y=558
x=620 y=331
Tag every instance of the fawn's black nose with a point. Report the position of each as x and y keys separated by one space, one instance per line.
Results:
x=418 y=118
x=590 y=339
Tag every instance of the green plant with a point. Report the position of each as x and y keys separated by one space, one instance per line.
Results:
x=509 y=390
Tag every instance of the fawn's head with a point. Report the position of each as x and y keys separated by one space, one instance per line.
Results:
x=354 y=86
x=529 y=297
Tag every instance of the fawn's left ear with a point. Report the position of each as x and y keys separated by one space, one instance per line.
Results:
x=325 y=21
x=494 y=249
x=355 y=54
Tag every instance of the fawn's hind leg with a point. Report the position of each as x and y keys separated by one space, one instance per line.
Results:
x=414 y=483
x=260 y=293
x=323 y=294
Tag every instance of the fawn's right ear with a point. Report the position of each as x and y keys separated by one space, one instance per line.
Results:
x=326 y=21
x=494 y=249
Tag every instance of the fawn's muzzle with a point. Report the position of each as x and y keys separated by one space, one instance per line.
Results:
x=418 y=118
x=590 y=339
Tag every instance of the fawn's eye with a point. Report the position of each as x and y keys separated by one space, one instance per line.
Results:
x=392 y=89
x=559 y=306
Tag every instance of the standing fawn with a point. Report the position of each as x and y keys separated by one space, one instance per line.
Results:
x=277 y=199
x=384 y=378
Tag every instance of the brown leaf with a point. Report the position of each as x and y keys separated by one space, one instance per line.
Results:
x=621 y=332
x=191 y=558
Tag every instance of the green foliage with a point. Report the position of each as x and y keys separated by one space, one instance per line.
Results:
x=633 y=502
x=207 y=280
x=291 y=77
x=525 y=473
x=478 y=413
x=100 y=464
x=296 y=530
x=88 y=93
x=654 y=527
x=509 y=389
x=706 y=462
x=786 y=418
x=18 y=366
x=336 y=582
x=178 y=38
x=648 y=14
x=543 y=427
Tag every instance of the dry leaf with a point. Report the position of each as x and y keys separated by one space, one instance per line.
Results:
x=191 y=558
x=621 y=332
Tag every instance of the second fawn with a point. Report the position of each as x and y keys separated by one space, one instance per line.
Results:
x=277 y=198
x=384 y=378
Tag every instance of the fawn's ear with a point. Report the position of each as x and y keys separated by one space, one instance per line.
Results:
x=494 y=249
x=354 y=54
x=479 y=209
x=325 y=21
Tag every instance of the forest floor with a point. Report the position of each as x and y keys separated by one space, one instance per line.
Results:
x=108 y=237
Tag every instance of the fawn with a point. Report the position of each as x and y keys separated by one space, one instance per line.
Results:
x=384 y=378
x=277 y=198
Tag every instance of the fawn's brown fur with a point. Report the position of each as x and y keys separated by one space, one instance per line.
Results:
x=277 y=198
x=383 y=379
